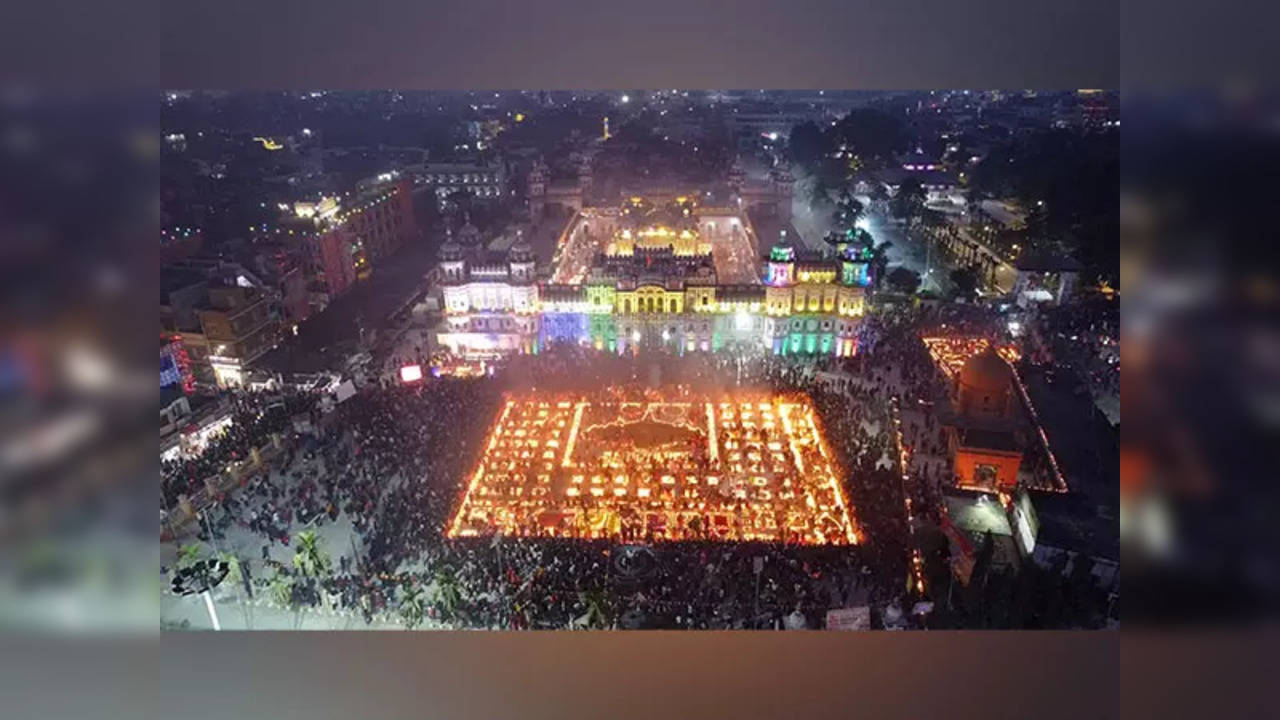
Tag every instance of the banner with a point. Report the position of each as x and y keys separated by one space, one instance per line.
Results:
x=961 y=549
x=855 y=618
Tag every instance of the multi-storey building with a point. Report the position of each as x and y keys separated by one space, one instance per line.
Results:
x=345 y=237
x=239 y=328
x=661 y=272
x=381 y=220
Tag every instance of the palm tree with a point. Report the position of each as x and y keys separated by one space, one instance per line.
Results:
x=235 y=571
x=281 y=589
x=284 y=591
x=309 y=558
x=188 y=555
x=445 y=593
x=598 y=615
x=413 y=607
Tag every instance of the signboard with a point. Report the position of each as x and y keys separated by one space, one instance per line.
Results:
x=346 y=390
x=410 y=373
x=855 y=618
x=961 y=549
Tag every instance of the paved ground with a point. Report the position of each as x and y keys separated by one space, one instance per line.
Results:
x=336 y=539
x=234 y=613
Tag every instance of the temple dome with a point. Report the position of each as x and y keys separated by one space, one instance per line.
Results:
x=987 y=372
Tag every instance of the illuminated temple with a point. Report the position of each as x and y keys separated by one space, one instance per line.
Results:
x=660 y=271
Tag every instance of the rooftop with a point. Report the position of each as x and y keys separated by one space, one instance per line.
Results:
x=988 y=439
x=1069 y=521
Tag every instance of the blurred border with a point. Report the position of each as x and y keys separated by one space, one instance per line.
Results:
x=78 y=279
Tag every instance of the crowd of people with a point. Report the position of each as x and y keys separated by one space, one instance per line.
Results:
x=392 y=462
x=254 y=417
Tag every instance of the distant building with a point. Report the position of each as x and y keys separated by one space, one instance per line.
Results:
x=283 y=268
x=334 y=260
x=1044 y=277
x=344 y=238
x=750 y=127
x=381 y=220
x=771 y=196
x=483 y=180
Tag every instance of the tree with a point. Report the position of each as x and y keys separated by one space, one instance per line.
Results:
x=1082 y=593
x=819 y=192
x=599 y=615
x=847 y=213
x=1076 y=175
x=281 y=589
x=880 y=262
x=188 y=555
x=309 y=558
x=445 y=594
x=975 y=592
x=413 y=607
x=871 y=135
x=879 y=196
x=807 y=144
x=908 y=204
x=965 y=280
x=1037 y=223
x=235 y=570
x=903 y=280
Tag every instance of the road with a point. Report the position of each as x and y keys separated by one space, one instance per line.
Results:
x=326 y=340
